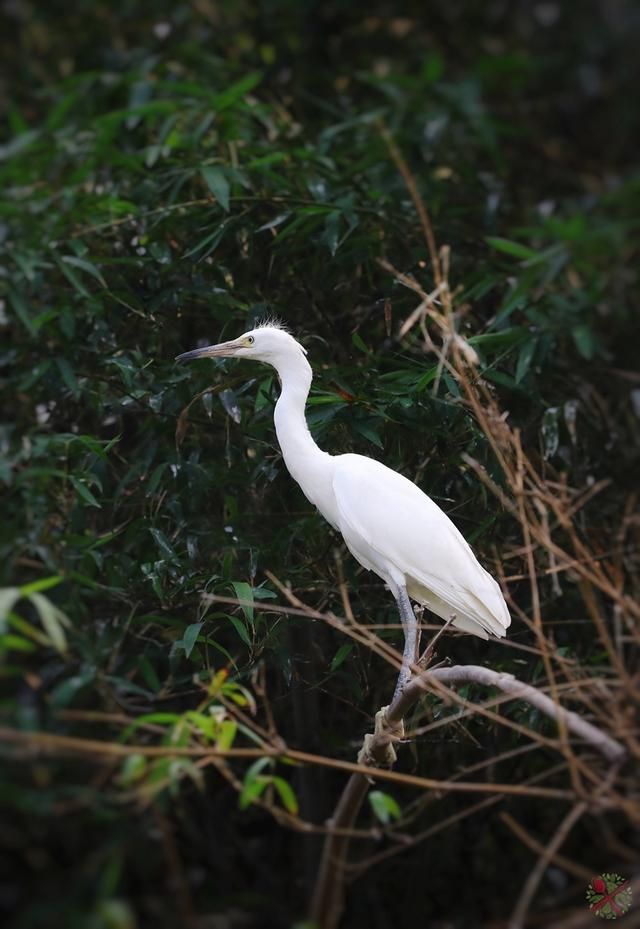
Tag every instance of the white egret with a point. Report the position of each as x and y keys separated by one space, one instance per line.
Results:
x=388 y=524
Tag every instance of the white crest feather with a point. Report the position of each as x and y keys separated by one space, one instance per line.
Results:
x=272 y=322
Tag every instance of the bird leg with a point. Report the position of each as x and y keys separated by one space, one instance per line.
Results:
x=410 y=628
x=419 y=613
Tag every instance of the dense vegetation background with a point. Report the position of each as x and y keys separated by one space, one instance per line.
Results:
x=171 y=173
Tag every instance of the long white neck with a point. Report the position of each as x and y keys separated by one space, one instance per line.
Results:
x=307 y=464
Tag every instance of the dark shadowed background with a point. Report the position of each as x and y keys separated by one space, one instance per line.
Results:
x=170 y=173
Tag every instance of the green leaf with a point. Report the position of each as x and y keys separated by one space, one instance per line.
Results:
x=68 y=376
x=367 y=430
x=360 y=343
x=276 y=221
x=286 y=794
x=244 y=592
x=52 y=619
x=332 y=230
x=21 y=311
x=226 y=734
x=341 y=655
x=218 y=185
x=206 y=724
x=11 y=642
x=83 y=492
x=427 y=378
x=26 y=628
x=190 y=637
x=165 y=546
x=240 y=628
x=384 y=806
x=8 y=597
x=64 y=692
x=525 y=358
x=266 y=160
x=263 y=593
x=254 y=782
x=499 y=377
x=45 y=583
x=84 y=265
x=73 y=277
x=236 y=91
x=134 y=768
x=432 y=67
x=149 y=674
x=497 y=341
x=510 y=248
x=154 y=480
x=252 y=790
x=585 y=341
x=210 y=242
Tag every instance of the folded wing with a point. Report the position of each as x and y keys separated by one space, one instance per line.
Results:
x=393 y=528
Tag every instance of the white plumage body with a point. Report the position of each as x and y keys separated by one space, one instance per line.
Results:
x=395 y=530
x=389 y=525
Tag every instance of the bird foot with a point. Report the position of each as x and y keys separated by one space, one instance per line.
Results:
x=378 y=746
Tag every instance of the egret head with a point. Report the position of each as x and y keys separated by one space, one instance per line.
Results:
x=269 y=343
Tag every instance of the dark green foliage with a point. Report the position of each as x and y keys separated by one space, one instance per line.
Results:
x=170 y=174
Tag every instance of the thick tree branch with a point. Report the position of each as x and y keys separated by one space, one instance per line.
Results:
x=464 y=674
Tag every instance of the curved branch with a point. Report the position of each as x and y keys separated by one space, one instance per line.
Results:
x=464 y=674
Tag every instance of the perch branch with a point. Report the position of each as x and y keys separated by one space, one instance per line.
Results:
x=464 y=674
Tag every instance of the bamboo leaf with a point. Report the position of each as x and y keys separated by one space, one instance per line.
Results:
x=384 y=806
x=190 y=637
x=52 y=619
x=83 y=492
x=218 y=184
x=516 y=249
x=286 y=794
